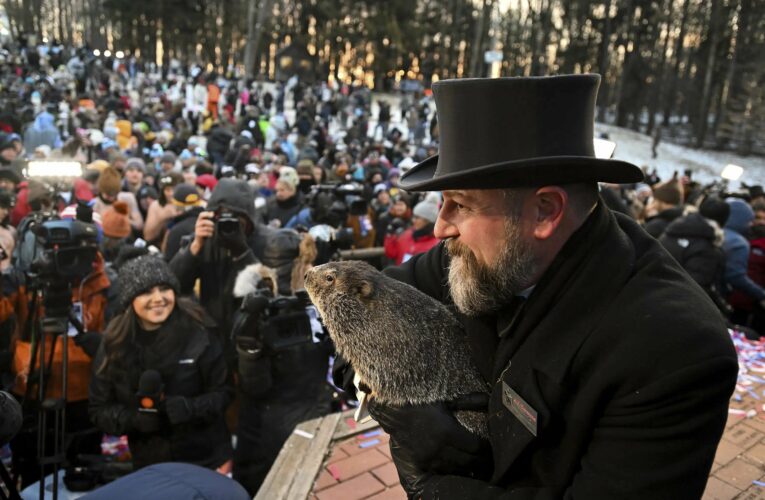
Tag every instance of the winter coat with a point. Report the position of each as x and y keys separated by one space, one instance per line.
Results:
x=285 y=210
x=182 y=225
x=620 y=362
x=215 y=267
x=296 y=390
x=402 y=247
x=91 y=294
x=696 y=244
x=43 y=132
x=756 y=272
x=656 y=225
x=737 y=247
x=191 y=364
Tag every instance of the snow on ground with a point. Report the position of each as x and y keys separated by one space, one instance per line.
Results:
x=706 y=165
x=633 y=147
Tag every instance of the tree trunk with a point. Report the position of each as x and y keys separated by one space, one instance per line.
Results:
x=476 y=57
x=249 y=50
x=669 y=103
x=702 y=120
x=659 y=79
x=604 y=62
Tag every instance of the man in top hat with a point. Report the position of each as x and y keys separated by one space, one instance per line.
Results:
x=608 y=369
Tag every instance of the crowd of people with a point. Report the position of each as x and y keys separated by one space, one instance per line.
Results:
x=211 y=194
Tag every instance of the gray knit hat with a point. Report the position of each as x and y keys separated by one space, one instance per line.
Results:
x=426 y=210
x=143 y=273
x=136 y=163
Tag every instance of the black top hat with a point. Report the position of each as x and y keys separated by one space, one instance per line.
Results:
x=512 y=132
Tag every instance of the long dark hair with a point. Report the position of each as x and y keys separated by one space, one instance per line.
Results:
x=119 y=336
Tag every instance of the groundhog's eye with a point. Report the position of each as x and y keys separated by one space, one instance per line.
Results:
x=329 y=278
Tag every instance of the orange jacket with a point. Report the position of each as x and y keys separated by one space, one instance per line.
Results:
x=91 y=292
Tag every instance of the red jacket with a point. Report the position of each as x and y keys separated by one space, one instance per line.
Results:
x=404 y=246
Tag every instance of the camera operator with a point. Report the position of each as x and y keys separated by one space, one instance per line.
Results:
x=160 y=375
x=227 y=238
x=70 y=286
x=283 y=356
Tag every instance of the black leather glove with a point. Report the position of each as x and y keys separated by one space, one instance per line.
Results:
x=342 y=375
x=177 y=409
x=145 y=422
x=427 y=440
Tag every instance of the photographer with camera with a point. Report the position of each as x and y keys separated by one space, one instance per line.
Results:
x=227 y=238
x=160 y=375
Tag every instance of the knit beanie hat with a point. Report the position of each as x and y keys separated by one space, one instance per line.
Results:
x=669 y=192
x=98 y=165
x=168 y=157
x=715 y=209
x=305 y=167
x=109 y=182
x=426 y=210
x=136 y=163
x=141 y=274
x=289 y=174
x=115 y=220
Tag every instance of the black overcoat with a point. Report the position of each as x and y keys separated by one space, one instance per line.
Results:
x=618 y=365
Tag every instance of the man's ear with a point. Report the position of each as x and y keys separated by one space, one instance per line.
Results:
x=551 y=203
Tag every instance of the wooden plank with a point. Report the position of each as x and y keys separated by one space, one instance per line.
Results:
x=288 y=462
x=313 y=459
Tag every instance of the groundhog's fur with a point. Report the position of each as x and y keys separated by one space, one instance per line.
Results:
x=405 y=345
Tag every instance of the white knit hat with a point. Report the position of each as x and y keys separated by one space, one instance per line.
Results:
x=426 y=210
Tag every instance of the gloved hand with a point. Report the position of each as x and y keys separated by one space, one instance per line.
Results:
x=427 y=440
x=145 y=422
x=342 y=375
x=177 y=409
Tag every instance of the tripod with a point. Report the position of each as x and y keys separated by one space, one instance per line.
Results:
x=56 y=298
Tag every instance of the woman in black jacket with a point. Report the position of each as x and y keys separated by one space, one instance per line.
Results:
x=191 y=392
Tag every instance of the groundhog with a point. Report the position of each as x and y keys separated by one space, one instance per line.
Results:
x=406 y=346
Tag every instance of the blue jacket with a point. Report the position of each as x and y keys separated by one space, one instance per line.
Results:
x=736 y=247
x=42 y=132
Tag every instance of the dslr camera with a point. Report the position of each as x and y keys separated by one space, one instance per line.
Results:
x=226 y=222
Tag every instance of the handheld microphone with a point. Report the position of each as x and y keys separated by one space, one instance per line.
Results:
x=148 y=398
x=149 y=391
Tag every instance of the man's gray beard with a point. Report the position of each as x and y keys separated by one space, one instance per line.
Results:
x=477 y=288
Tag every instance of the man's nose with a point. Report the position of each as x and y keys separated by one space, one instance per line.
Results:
x=444 y=229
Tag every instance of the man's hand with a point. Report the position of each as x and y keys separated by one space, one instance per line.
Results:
x=203 y=229
x=427 y=440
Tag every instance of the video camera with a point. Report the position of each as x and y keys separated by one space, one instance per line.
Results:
x=332 y=203
x=67 y=250
x=266 y=325
x=70 y=247
x=276 y=323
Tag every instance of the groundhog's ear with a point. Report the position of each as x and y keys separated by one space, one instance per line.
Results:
x=365 y=289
